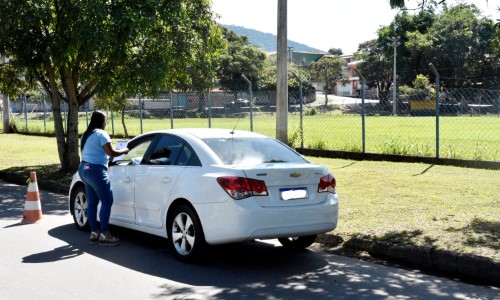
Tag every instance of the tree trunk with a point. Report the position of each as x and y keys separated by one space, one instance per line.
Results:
x=71 y=155
x=67 y=142
x=6 y=114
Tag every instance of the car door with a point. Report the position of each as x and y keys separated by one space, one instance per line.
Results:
x=122 y=174
x=157 y=178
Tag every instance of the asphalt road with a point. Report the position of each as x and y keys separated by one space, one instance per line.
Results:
x=53 y=260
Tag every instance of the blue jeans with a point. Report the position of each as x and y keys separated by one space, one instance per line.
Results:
x=97 y=188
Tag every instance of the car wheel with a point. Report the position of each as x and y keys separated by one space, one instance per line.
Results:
x=298 y=243
x=79 y=208
x=186 y=237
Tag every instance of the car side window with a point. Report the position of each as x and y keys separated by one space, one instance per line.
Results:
x=136 y=153
x=171 y=150
x=184 y=156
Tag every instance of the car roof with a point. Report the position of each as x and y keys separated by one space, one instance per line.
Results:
x=202 y=133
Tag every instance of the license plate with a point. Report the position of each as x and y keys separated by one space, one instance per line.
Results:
x=293 y=193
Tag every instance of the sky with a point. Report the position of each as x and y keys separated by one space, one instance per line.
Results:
x=324 y=24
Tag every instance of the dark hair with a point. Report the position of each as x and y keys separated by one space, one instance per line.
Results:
x=96 y=122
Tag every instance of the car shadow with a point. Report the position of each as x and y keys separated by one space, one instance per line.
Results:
x=253 y=270
x=148 y=254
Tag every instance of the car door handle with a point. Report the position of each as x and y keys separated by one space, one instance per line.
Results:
x=127 y=180
x=165 y=180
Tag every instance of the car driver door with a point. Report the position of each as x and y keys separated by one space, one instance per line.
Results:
x=122 y=173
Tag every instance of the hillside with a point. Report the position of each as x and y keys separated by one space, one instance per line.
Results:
x=266 y=41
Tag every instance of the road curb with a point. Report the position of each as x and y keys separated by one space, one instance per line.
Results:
x=464 y=266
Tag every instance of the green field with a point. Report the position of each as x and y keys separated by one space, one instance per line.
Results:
x=446 y=207
x=461 y=137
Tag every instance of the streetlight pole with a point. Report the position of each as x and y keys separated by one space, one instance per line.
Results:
x=394 y=42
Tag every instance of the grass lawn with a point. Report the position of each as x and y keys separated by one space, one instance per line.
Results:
x=450 y=208
x=461 y=137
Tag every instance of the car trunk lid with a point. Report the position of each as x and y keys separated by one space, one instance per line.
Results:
x=288 y=184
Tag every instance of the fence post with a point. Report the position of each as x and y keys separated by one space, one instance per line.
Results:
x=437 y=108
x=301 y=102
x=498 y=105
x=171 y=110
x=301 y=99
x=209 y=109
x=363 y=113
x=363 y=128
x=44 y=114
x=480 y=104
x=251 y=99
x=140 y=111
x=26 y=112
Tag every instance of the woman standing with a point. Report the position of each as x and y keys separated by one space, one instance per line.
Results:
x=93 y=170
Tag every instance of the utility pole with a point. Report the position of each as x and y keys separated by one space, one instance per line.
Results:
x=394 y=42
x=5 y=104
x=282 y=69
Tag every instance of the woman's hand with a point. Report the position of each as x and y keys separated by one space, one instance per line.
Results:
x=114 y=152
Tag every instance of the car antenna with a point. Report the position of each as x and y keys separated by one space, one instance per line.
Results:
x=232 y=131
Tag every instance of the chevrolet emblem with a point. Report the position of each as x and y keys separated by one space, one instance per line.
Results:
x=295 y=175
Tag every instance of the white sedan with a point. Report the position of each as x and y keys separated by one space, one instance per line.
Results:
x=199 y=187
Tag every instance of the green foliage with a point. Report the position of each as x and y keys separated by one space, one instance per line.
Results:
x=77 y=49
x=496 y=40
x=12 y=82
x=240 y=58
x=422 y=82
x=335 y=51
x=421 y=90
x=318 y=144
x=311 y=111
x=405 y=147
x=328 y=70
x=463 y=50
x=375 y=65
x=12 y=125
x=269 y=79
x=294 y=137
x=458 y=41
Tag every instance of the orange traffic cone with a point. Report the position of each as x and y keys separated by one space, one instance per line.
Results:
x=32 y=206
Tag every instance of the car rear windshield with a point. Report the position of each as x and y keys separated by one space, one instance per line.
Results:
x=252 y=151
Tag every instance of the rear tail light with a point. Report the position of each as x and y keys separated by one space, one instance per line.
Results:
x=240 y=187
x=327 y=184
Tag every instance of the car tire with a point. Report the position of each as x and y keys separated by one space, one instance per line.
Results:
x=297 y=243
x=79 y=206
x=185 y=234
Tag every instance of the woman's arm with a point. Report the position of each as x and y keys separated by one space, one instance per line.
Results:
x=113 y=152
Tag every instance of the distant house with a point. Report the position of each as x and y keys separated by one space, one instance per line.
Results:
x=353 y=86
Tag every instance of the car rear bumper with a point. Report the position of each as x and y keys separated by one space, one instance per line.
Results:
x=235 y=221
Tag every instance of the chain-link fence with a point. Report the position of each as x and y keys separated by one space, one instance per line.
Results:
x=466 y=124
